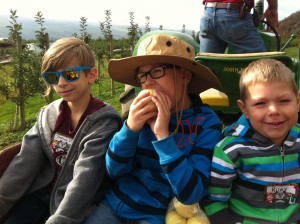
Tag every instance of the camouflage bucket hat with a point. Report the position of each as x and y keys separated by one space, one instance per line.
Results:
x=164 y=47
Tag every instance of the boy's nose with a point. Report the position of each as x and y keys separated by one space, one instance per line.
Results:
x=149 y=79
x=61 y=81
x=273 y=108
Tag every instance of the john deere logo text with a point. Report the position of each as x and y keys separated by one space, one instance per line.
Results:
x=232 y=69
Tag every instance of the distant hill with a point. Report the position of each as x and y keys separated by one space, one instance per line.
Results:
x=58 y=28
x=290 y=25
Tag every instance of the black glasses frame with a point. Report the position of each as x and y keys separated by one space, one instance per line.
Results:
x=150 y=73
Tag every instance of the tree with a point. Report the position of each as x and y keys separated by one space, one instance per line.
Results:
x=15 y=28
x=105 y=28
x=40 y=34
x=106 y=48
x=147 y=24
x=194 y=34
x=133 y=31
x=160 y=27
x=85 y=36
x=21 y=83
x=183 y=28
x=43 y=42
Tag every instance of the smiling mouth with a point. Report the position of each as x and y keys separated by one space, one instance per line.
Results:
x=66 y=91
x=275 y=123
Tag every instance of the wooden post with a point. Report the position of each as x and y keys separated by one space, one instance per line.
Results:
x=21 y=102
x=19 y=45
x=46 y=40
x=47 y=45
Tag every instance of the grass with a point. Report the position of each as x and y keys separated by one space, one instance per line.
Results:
x=293 y=47
x=293 y=52
x=101 y=90
x=7 y=111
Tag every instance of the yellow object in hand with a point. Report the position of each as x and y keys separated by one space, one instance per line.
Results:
x=151 y=91
x=186 y=211
x=174 y=218
x=198 y=219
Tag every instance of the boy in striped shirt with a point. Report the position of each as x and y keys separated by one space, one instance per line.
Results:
x=255 y=169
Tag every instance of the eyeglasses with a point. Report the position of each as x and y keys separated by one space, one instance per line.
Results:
x=69 y=74
x=155 y=73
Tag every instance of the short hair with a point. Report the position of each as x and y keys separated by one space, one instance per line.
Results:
x=263 y=71
x=64 y=51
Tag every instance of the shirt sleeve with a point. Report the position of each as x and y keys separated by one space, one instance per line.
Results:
x=121 y=152
x=188 y=174
x=222 y=174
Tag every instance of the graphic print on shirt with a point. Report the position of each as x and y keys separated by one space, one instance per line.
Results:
x=60 y=145
x=281 y=193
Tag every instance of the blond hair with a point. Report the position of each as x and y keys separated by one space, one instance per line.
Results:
x=64 y=51
x=263 y=71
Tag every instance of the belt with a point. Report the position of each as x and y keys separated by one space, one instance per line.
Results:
x=220 y=5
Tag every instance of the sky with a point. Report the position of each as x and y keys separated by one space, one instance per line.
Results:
x=170 y=14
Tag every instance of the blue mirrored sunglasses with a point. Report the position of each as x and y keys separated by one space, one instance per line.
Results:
x=69 y=74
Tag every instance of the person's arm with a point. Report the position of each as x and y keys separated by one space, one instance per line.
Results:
x=271 y=13
x=188 y=175
x=122 y=148
x=219 y=213
x=273 y=3
x=121 y=152
x=22 y=171
x=222 y=175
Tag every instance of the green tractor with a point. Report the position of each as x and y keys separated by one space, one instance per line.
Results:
x=227 y=68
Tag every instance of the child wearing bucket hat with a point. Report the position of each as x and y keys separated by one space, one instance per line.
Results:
x=162 y=151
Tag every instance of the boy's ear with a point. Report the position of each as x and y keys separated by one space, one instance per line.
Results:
x=298 y=100
x=242 y=107
x=92 y=75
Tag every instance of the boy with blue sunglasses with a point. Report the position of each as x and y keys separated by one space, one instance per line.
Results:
x=61 y=164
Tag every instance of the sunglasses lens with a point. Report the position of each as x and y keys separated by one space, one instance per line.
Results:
x=51 y=78
x=71 y=75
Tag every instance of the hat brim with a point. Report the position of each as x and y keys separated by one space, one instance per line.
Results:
x=123 y=70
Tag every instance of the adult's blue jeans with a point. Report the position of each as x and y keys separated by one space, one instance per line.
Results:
x=222 y=28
